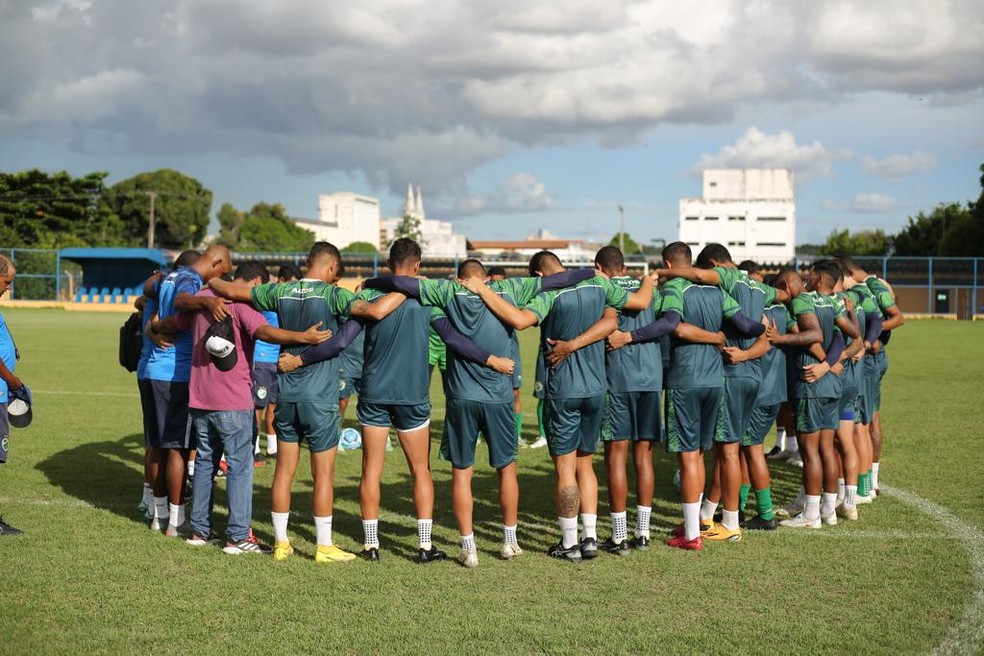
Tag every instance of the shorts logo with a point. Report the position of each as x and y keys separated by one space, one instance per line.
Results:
x=538 y=386
x=261 y=392
x=341 y=385
x=5 y=444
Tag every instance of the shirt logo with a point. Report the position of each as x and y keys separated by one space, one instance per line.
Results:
x=261 y=392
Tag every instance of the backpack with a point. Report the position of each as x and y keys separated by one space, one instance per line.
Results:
x=131 y=342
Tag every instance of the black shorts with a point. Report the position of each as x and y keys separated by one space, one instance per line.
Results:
x=148 y=407
x=265 y=385
x=4 y=433
x=171 y=413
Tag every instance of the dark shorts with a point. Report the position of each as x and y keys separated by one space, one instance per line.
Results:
x=573 y=424
x=517 y=378
x=848 y=405
x=540 y=377
x=171 y=415
x=318 y=424
x=4 y=433
x=695 y=418
x=814 y=415
x=739 y=402
x=759 y=424
x=265 y=385
x=464 y=420
x=404 y=418
x=862 y=407
x=632 y=416
x=148 y=408
x=349 y=386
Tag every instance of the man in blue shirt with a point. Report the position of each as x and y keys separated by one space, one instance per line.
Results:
x=9 y=382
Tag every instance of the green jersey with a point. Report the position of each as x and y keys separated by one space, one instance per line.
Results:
x=637 y=366
x=826 y=309
x=705 y=306
x=881 y=293
x=472 y=318
x=395 y=369
x=563 y=315
x=436 y=348
x=851 y=376
x=773 y=389
x=752 y=296
x=299 y=305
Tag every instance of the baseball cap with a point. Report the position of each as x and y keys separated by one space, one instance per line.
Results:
x=221 y=344
x=19 y=411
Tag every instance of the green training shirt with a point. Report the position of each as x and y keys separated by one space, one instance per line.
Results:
x=637 y=366
x=826 y=309
x=752 y=297
x=773 y=388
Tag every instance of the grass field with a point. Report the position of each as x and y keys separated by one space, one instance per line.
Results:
x=88 y=577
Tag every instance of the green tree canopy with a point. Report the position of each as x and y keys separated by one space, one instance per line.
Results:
x=631 y=246
x=361 y=248
x=409 y=228
x=949 y=230
x=264 y=228
x=865 y=242
x=181 y=208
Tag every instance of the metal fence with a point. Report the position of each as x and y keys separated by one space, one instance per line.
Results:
x=931 y=285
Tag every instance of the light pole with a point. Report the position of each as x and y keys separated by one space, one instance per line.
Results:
x=150 y=227
x=621 y=230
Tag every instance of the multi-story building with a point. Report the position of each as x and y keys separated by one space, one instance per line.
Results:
x=751 y=211
x=438 y=237
x=344 y=218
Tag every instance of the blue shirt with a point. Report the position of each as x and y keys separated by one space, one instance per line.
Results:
x=8 y=353
x=148 y=346
x=265 y=351
x=173 y=364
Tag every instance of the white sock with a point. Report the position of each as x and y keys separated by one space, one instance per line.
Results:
x=874 y=475
x=280 y=526
x=792 y=446
x=829 y=503
x=691 y=520
x=322 y=527
x=840 y=490
x=256 y=446
x=272 y=443
x=568 y=529
x=370 y=529
x=643 y=513
x=424 y=527
x=177 y=512
x=590 y=525
x=161 y=511
x=850 y=495
x=468 y=541
x=801 y=497
x=811 y=509
x=729 y=519
x=620 y=531
x=509 y=534
x=191 y=468
x=148 y=495
x=707 y=511
x=781 y=438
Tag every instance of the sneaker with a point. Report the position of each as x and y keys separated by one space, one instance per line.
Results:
x=159 y=523
x=718 y=533
x=559 y=551
x=774 y=452
x=850 y=513
x=796 y=460
x=509 y=550
x=539 y=443
x=863 y=500
x=640 y=542
x=468 y=558
x=389 y=443
x=332 y=554
x=782 y=455
x=800 y=521
x=370 y=553
x=430 y=555
x=697 y=544
x=791 y=509
x=142 y=507
x=678 y=532
x=248 y=545
x=7 y=529
x=177 y=531
x=222 y=470
x=829 y=520
x=282 y=550
x=758 y=524
x=196 y=539
x=616 y=548
x=589 y=548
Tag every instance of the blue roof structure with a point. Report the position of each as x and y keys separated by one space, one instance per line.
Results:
x=111 y=268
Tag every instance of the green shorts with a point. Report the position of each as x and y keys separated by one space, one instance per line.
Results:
x=695 y=418
x=875 y=368
x=848 y=405
x=404 y=418
x=739 y=402
x=573 y=424
x=463 y=421
x=862 y=407
x=318 y=424
x=632 y=416
x=759 y=424
x=814 y=415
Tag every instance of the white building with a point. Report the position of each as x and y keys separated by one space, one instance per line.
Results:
x=345 y=218
x=438 y=237
x=751 y=211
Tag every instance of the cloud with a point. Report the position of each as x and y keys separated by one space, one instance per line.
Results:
x=439 y=88
x=518 y=194
x=756 y=149
x=865 y=203
x=899 y=166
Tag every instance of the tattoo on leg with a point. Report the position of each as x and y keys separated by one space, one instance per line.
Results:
x=569 y=501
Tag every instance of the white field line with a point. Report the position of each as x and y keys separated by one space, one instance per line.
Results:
x=967 y=635
x=125 y=395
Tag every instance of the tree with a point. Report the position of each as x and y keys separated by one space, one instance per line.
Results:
x=181 y=208
x=865 y=242
x=949 y=230
x=409 y=228
x=361 y=248
x=230 y=223
x=631 y=246
x=264 y=228
x=56 y=210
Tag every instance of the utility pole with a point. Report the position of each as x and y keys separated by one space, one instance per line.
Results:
x=150 y=227
x=621 y=230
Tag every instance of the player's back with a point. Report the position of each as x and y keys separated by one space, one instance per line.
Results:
x=752 y=296
x=636 y=367
x=826 y=310
x=470 y=380
x=574 y=310
x=171 y=364
x=773 y=389
x=395 y=368
x=350 y=361
x=697 y=365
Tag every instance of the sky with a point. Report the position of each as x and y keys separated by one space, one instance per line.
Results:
x=510 y=115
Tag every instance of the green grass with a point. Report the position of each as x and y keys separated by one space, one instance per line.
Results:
x=89 y=577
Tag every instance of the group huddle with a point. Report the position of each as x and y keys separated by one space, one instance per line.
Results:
x=719 y=351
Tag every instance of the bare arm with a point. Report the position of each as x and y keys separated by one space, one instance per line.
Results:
x=895 y=318
x=598 y=331
x=848 y=323
x=693 y=274
x=642 y=297
x=505 y=311
x=378 y=310
x=809 y=332
x=691 y=333
x=734 y=355
x=230 y=290
x=13 y=382
x=312 y=336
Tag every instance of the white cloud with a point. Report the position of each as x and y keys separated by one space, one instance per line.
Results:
x=756 y=149
x=898 y=166
x=518 y=194
x=871 y=203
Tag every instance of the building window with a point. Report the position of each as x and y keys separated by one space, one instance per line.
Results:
x=736 y=218
x=691 y=218
x=777 y=244
x=693 y=243
x=772 y=218
x=711 y=218
x=736 y=243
